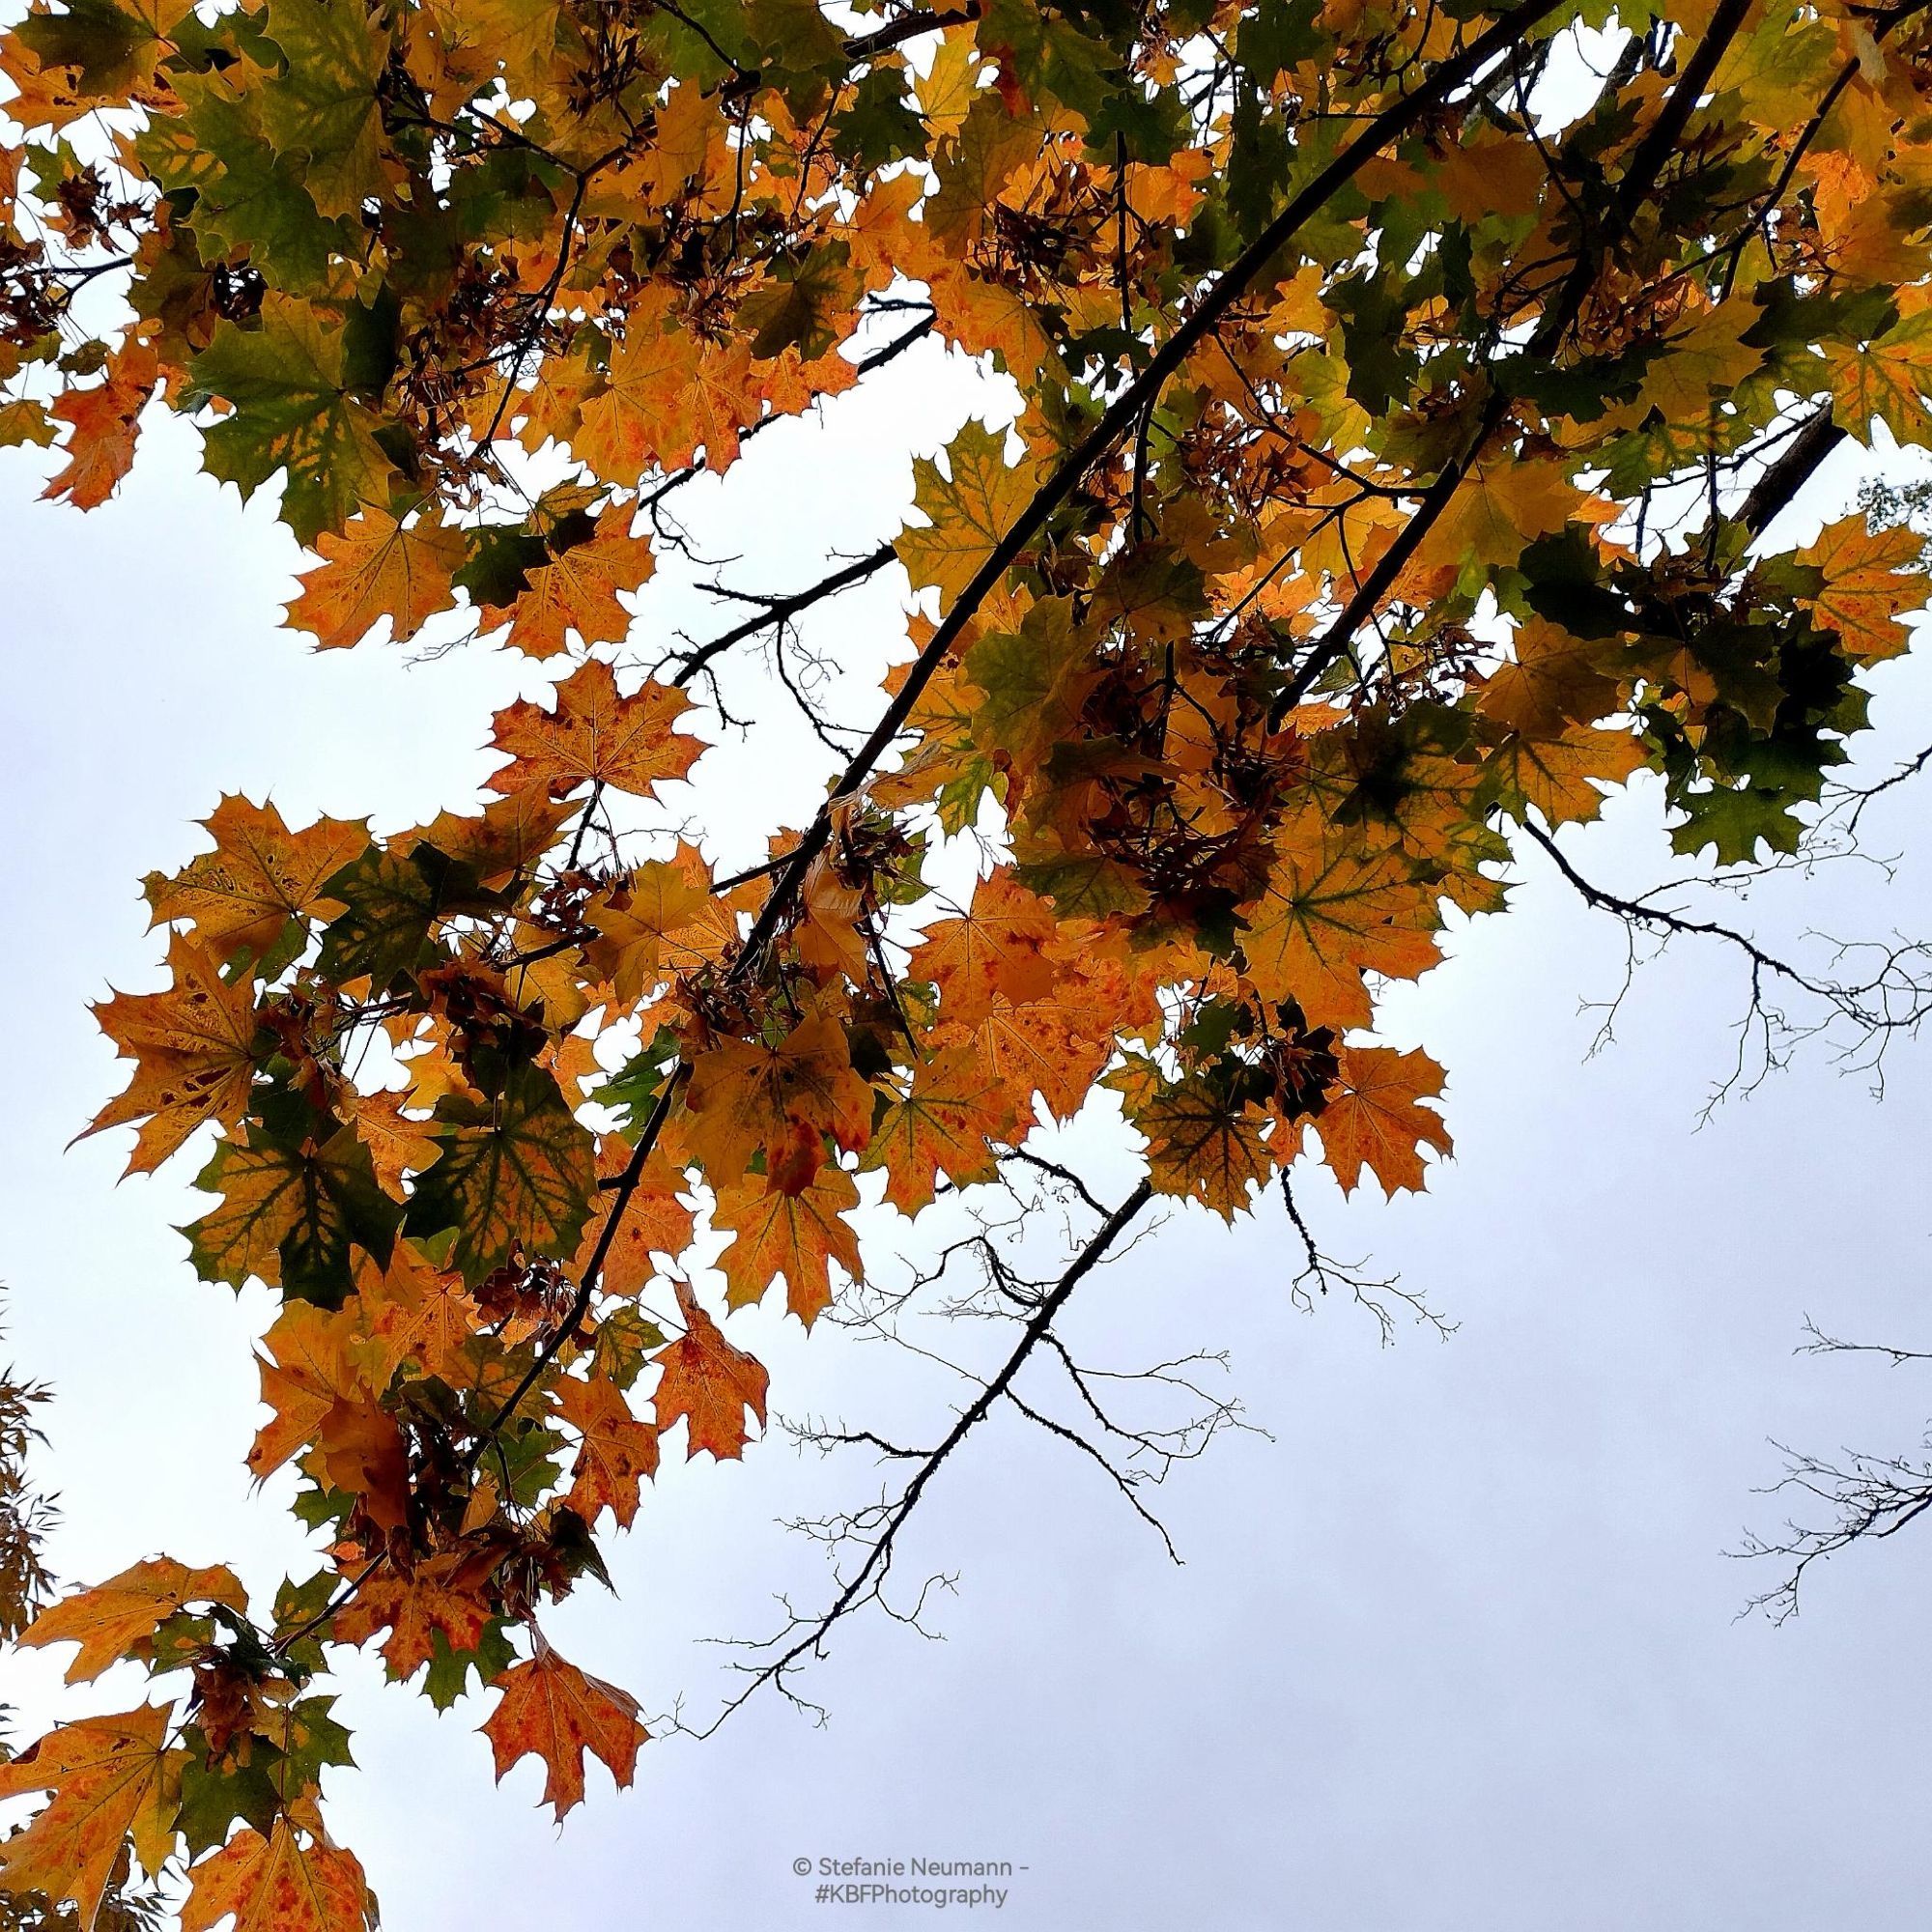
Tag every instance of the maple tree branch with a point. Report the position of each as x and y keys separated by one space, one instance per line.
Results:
x=1321 y=1273
x=1822 y=1343
x=1633 y=187
x=1121 y=1481
x=1790 y=472
x=1121 y=414
x=776 y=610
x=1059 y=1173
x=1859 y=797
x=909 y=27
x=1640 y=911
x=863 y=1585
x=1871 y=1499
x=1895 y=999
x=587 y=1287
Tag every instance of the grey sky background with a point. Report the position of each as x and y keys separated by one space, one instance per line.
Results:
x=1454 y=1645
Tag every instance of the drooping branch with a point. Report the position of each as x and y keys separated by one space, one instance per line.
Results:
x=1863 y=1498
x=807 y=1637
x=1893 y=998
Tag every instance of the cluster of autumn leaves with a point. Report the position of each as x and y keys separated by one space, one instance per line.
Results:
x=1242 y=700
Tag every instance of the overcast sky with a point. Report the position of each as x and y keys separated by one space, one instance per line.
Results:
x=1453 y=1644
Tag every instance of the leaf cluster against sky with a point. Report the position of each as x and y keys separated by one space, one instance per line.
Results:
x=1406 y=402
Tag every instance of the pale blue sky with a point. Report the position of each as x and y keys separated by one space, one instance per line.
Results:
x=1456 y=1648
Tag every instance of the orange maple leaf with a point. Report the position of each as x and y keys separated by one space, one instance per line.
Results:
x=1053 y=1047
x=440 y=1595
x=1561 y=777
x=595 y=735
x=997 y=947
x=1869 y=575
x=661 y=919
x=398 y=1145
x=502 y=840
x=941 y=1123
x=305 y=1371
x=641 y=417
x=194 y=1051
x=362 y=1451
x=260 y=875
x=105 y=423
x=557 y=1712
x=744 y=1095
x=278 y=1883
x=615 y=1452
x=654 y=1220
x=1333 y=910
x=110 y=1619
x=795 y=1233
x=708 y=1382
x=411 y=1312
x=1375 y=1118
x=378 y=567
x=111 y=1777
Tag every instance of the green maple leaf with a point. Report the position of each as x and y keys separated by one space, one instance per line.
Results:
x=324 y=108
x=1733 y=821
x=292 y=411
x=248 y=200
x=113 y=48
x=448 y=1675
x=515 y=1173
x=1034 y=680
x=804 y=304
x=878 y=128
x=391 y=904
x=293 y=1212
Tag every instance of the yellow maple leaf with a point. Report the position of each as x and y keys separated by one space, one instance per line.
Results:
x=111 y=1779
x=110 y=1619
x=378 y=567
x=942 y=1123
x=969 y=508
x=595 y=735
x=1500 y=508
x=1870 y=576
x=797 y=1235
x=575 y=593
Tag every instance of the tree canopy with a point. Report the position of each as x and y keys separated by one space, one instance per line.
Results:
x=1407 y=400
